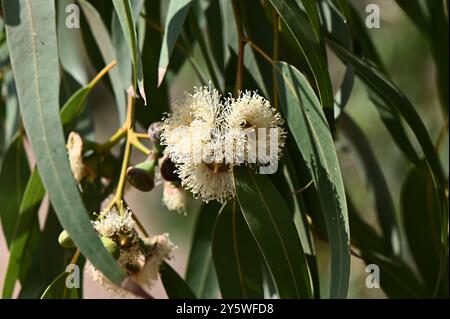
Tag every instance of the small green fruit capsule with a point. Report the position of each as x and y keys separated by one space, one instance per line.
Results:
x=142 y=175
x=65 y=240
x=111 y=247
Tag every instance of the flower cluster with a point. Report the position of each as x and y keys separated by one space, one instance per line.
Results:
x=206 y=135
x=141 y=258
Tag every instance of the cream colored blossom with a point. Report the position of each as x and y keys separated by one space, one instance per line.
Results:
x=161 y=250
x=251 y=115
x=213 y=181
x=140 y=259
x=111 y=221
x=206 y=137
x=175 y=198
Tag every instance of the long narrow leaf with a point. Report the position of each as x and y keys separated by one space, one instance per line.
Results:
x=311 y=132
x=31 y=35
x=270 y=222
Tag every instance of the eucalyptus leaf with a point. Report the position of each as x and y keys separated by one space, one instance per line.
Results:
x=125 y=15
x=107 y=50
x=13 y=180
x=311 y=48
x=201 y=274
x=311 y=132
x=235 y=255
x=271 y=224
x=32 y=37
x=27 y=218
x=176 y=14
x=175 y=286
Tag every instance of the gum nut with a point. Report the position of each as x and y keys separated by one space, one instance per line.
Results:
x=111 y=247
x=65 y=240
x=140 y=179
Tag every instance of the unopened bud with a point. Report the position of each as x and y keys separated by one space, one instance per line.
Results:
x=65 y=240
x=111 y=246
x=154 y=132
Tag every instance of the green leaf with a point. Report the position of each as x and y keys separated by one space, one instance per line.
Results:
x=11 y=108
x=216 y=33
x=438 y=37
x=120 y=44
x=396 y=278
x=176 y=14
x=360 y=35
x=49 y=260
x=13 y=180
x=335 y=25
x=31 y=35
x=420 y=215
x=375 y=182
x=71 y=48
x=158 y=103
x=300 y=218
x=29 y=206
x=103 y=40
x=200 y=274
x=58 y=290
x=75 y=105
x=125 y=15
x=307 y=123
x=271 y=224
x=313 y=51
x=235 y=254
x=396 y=100
x=313 y=15
x=175 y=286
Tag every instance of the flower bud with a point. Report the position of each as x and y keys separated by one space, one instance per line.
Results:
x=111 y=246
x=169 y=170
x=154 y=132
x=142 y=175
x=65 y=240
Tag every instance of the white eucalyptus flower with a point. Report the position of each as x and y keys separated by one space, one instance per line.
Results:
x=251 y=115
x=111 y=222
x=213 y=181
x=174 y=198
x=160 y=251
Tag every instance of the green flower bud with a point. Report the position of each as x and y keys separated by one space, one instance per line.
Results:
x=142 y=175
x=65 y=240
x=111 y=246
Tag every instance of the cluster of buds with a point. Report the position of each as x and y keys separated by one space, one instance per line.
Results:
x=142 y=175
x=141 y=258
